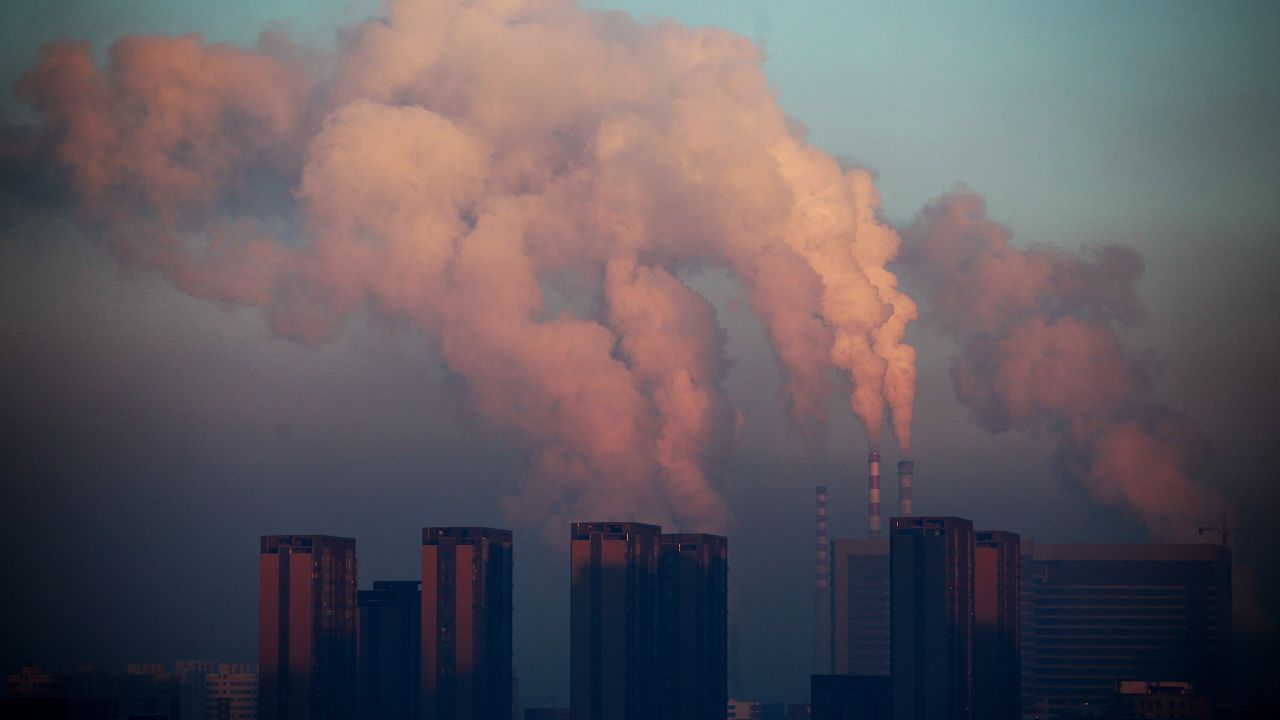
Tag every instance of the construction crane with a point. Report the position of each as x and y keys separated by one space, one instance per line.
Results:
x=1224 y=530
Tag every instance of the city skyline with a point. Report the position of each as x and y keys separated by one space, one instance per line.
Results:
x=1100 y=623
x=161 y=408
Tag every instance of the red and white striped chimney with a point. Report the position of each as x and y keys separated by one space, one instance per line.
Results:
x=822 y=597
x=873 y=495
x=906 y=468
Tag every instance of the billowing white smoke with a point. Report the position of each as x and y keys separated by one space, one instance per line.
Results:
x=1040 y=353
x=455 y=160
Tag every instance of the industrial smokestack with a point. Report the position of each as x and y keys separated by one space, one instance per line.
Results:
x=822 y=596
x=873 y=495
x=906 y=468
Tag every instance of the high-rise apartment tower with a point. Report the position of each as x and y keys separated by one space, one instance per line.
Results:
x=931 y=605
x=466 y=623
x=613 y=629
x=997 y=670
x=390 y=650
x=693 y=642
x=306 y=627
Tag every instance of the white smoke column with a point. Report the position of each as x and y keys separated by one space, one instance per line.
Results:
x=529 y=182
x=1040 y=353
x=834 y=226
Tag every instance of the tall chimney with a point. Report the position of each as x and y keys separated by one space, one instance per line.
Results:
x=822 y=596
x=873 y=495
x=905 y=470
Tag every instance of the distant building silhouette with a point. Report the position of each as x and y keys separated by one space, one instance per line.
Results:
x=735 y=658
x=546 y=714
x=1144 y=700
x=466 y=623
x=517 y=708
x=191 y=674
x=798 y=711
x=390 y=654
x=613 y=621
x=146 y=693
x=931 y=566
x=1094 y=615
x=997 y=670
x=306 y=627
x=756 y=710
x=850 y=697
x=693 y=644
x=30 y=681
x=860 y=607
x=231 y=693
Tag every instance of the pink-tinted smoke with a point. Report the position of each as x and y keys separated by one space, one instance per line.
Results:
x=1039 y=352
x=454 y=160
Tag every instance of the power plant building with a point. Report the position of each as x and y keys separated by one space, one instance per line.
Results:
x=466 y=623
x=306 y=627
x=860 y=607
x=1096 y=615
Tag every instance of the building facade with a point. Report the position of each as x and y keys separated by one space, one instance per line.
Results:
x=931 y=601
x=755 y=710
x=145 y=692
x=860 y=607
x=693 y=642
x=1154 y=700
x=306 y=627
x=613 y=628
x=1094 y=615
x=191 y=675
x=390 y=652
x=997 y=669
x=466 y=623
x=849 y=697
x=231 y=693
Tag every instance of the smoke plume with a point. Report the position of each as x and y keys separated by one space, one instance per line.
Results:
x=531 y=183
x=1039 y=352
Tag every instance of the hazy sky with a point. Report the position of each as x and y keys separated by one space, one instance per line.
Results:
x=149 y=437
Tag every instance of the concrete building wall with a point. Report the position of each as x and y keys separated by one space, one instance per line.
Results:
x=466 y=623
x=307 y=627
x=931 y=566
x=860 y=607
x=1099 y=614
x=613 y=621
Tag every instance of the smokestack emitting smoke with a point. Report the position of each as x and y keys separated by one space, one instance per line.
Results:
x=873 y=495
x=1039 y=352
x=532 y=184
x=822 y=595
x=906 y=468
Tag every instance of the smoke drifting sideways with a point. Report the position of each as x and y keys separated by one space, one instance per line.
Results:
x=528 y=182
x=1040 y=352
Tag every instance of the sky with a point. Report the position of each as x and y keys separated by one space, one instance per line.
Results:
x=150 y=435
